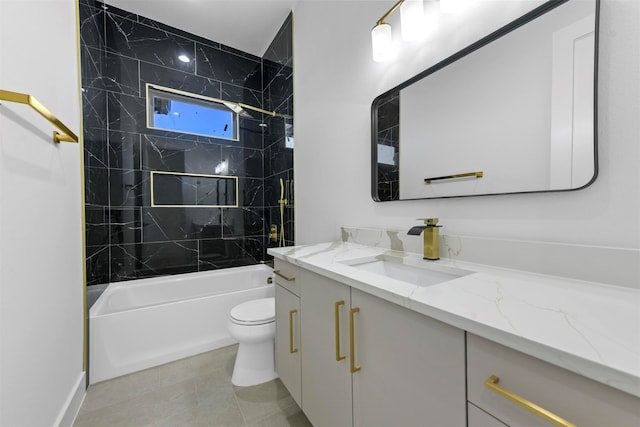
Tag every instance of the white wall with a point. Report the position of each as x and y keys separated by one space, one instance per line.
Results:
x=336 y=81
x=41 y=285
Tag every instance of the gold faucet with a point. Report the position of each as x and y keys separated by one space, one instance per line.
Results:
x=431 y=237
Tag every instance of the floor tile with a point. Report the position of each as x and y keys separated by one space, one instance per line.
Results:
x=262 y=400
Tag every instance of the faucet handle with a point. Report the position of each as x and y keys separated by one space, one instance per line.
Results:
x=429 y=221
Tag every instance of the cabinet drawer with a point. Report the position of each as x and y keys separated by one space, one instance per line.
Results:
x=287 y=276
x=575 y=398
x=478 y=418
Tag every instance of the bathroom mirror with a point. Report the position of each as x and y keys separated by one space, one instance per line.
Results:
x=514 y=112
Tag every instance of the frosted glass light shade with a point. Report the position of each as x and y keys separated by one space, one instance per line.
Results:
x=382 y=43
x=413 y=20
x=451 y=6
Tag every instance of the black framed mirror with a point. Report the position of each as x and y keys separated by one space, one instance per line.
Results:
x=514 y=112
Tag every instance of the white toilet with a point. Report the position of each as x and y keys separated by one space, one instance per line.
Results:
x=253 y=325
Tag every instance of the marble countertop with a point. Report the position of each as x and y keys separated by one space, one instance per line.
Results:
x=592 y=329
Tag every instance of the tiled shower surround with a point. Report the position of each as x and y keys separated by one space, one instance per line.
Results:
x=127 y=238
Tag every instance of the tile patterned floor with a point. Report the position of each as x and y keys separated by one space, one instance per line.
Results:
x=196 y=391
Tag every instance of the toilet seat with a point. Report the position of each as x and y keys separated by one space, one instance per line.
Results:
x=255 y=312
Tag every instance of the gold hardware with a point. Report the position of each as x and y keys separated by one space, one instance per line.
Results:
x=389 y=12
x=339 y=356
x=269 y=280
x=291 y=348
x=29 y=100
x=431 y=247
x=352 y=358
x=478 y=174
x=273 y=233
x=288 y=279
x=492 y=384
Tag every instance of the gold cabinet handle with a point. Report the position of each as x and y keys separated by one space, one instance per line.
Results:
x=339 y=356
x=291 y=348
x=352 y=356
x=288 y=279
x=492 y=384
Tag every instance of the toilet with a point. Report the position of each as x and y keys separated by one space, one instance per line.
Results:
x=253 y=325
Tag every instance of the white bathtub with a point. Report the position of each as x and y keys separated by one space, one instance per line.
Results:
x=143 y=323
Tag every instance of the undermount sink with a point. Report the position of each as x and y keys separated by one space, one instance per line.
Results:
x=395 y=268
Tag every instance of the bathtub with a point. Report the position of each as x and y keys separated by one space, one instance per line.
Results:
x=143 y=323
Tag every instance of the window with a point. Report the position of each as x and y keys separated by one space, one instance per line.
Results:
x=177 y=111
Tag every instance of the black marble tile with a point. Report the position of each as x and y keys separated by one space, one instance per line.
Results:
x=242 y=222
x=250 y=192
x=174 y=190
x=125 y=226
x=245 y=95
x=95 y=147
x=92 y=67
x=274 y=131
x=280 y=157
x=135 y=40
x=165 y=224
x=281 y=48
x=177 y=31
x=91 y=25
x=233 y=252
x=243 y=162
x=216 y=191
x=94 y=108
x=96 y=226
x=153 y=259
x=173 y=79
x=238 y=52
x=273 y=188
x=126 y=113
x=120 y=74
x=228 y=67
x=251 y=133
x=128 y=188
x=114 y=11
x=97 y=264
x=124 y=150
x=389 y=112
x=96 y=187
x=176 y=155
x=279 y=89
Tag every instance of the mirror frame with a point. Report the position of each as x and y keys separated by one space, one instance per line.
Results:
x=506 y=29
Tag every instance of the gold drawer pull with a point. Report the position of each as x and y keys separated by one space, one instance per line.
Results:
x=288 y=279
x=492 y=384
x=291 y=348
x=339 y=356
x=352 y=356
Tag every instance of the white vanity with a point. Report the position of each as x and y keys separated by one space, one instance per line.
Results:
x=362 y=339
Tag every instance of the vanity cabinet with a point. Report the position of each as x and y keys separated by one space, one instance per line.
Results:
x=287 y=341
x=366 y=361
x=572 y=397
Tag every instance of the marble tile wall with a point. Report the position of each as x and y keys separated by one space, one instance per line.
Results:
x=388 y=134
x=279 y=140
x=127 y=238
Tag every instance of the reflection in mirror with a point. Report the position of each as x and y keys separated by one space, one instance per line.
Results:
x=512 y=113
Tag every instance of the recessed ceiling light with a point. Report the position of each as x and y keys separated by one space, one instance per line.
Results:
x=184 y=58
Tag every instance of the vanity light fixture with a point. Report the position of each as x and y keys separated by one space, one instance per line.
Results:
x=413 y=23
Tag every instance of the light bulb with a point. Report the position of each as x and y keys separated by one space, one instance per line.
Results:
x=413 y=20
x=381 y=42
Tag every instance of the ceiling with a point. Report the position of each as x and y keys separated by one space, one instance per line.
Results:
x=247 y=25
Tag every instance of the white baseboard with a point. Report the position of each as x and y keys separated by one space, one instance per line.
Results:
x=71 y=408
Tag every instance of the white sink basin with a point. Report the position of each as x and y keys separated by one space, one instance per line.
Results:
x=422 y=275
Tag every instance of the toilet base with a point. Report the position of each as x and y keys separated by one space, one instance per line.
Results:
x=255 y=364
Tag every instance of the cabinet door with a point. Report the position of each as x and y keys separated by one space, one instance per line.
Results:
x=412 y=367
x=479 y=418
x=288 y=342
x=326 y=382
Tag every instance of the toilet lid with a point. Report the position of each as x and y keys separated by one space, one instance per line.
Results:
x=257 y=311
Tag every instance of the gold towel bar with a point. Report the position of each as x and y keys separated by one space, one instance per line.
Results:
x=29 y=100
x=478 y=174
